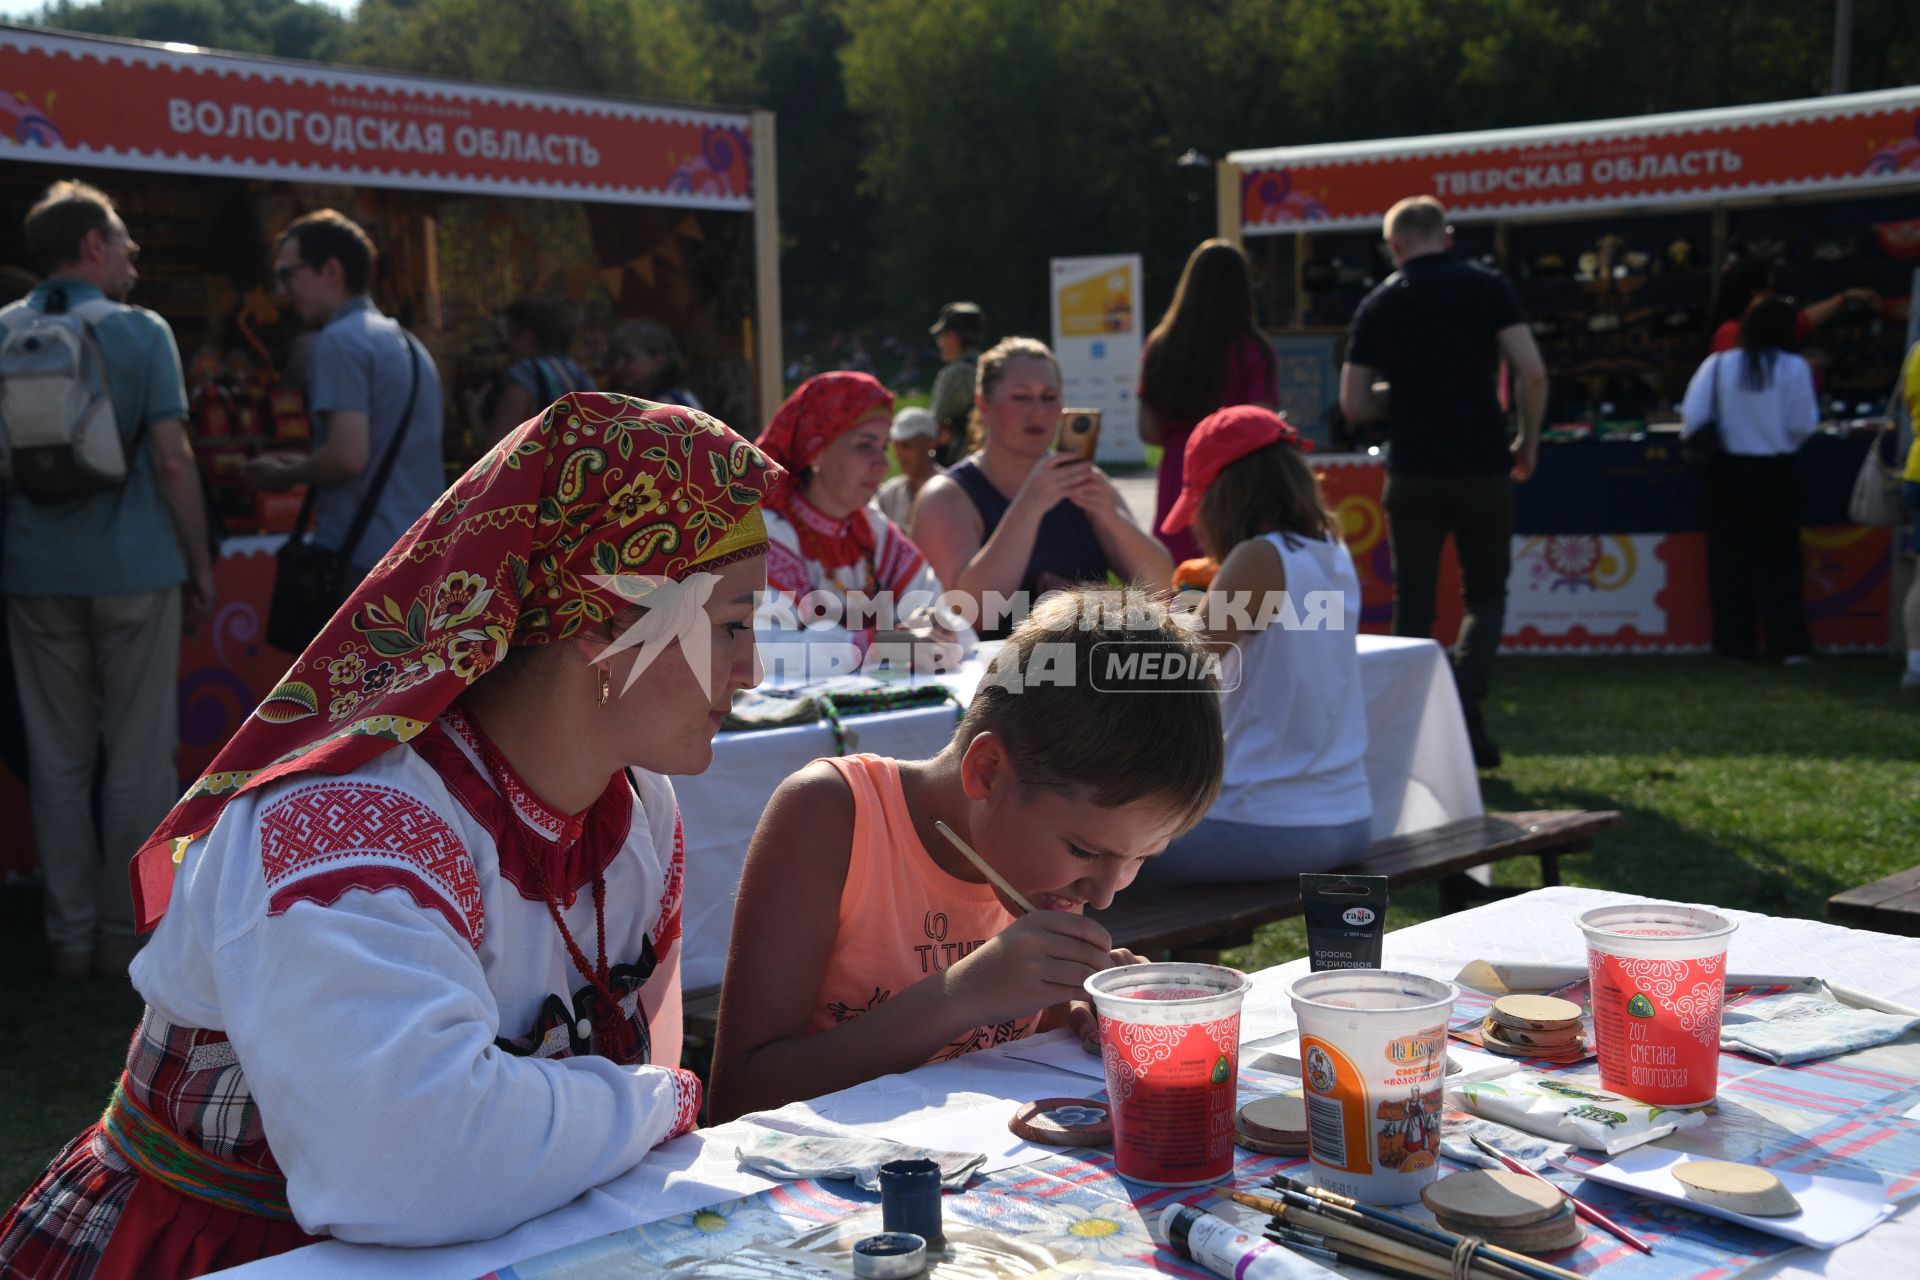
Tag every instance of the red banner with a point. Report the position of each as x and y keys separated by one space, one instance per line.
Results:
x=120 y=105
x=1858 y=141
x=1620 y=593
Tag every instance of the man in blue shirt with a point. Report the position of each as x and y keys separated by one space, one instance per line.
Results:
x=95 y=602
x=362 y=367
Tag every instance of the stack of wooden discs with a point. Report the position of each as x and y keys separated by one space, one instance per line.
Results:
x=1534 y=1027
x=1511 y=1210
x=1273 y=1126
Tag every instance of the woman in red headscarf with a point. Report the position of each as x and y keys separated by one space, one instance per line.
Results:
x=418 y=926
x=823 y=533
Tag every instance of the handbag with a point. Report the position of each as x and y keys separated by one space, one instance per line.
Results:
x=309 y=582
x=1699 y=447
x=1876 y=486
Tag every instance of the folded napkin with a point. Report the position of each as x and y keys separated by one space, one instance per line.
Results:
x=794 y=1156
x=1806 y=1023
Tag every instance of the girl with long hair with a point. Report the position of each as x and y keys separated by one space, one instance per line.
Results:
x=1205 y=352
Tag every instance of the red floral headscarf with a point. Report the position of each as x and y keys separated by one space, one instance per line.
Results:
x=820 y=411
x=598 y=485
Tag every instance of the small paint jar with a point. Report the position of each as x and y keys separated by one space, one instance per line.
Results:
x=893 y=1255
x=910 y=1199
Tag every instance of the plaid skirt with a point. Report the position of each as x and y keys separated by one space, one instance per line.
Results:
x=174 y=1181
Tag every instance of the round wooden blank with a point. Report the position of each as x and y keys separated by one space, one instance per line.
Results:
x=1540 y=1013
x=1560 y=1039
x=1562 y=1231
x=1495 y=1199
x=1741 y=1188
x=1280 y=1122
x=1064 y=1122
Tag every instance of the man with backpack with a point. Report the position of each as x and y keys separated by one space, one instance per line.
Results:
x=373 y=395
x=105 y=523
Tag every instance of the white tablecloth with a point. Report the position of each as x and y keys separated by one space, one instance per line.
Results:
x=1419 y=770
x=1536 y=927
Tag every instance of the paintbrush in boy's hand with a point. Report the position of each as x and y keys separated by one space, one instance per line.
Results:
x=994 y=877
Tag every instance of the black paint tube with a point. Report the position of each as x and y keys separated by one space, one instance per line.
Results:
x=1346 y=915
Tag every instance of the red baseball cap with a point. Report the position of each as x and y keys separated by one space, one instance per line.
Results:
x=1224 y=437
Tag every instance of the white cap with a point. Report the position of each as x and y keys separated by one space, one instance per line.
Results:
x=911 y=422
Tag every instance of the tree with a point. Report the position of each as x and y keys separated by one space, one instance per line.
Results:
x=283 y=28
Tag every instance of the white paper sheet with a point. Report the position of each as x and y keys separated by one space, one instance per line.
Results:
x=1832 y=1210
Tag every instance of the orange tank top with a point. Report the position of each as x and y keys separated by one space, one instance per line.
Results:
x=902 y=917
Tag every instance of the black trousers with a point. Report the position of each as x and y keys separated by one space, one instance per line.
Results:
x=1477 y=512
x=1753 y=556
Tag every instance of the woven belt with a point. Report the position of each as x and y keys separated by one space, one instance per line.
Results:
x=149 y=1145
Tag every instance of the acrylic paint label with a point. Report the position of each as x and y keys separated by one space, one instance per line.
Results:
x=1172 y=1091
x=1379 y=1114
x=1656 y=1026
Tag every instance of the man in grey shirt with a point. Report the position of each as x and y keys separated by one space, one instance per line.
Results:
x=362 y=367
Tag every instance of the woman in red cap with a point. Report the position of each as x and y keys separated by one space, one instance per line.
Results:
x=418 y=926
x=1294 y=796
x=823 y=533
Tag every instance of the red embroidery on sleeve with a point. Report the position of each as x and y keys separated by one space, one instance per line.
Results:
x=667 y=931
x=686 y=1092
x=325 y=839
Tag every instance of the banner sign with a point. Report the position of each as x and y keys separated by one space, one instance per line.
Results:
x=1854 y=141
x=1612 y=593
x=1097 y=335
x=121 y=105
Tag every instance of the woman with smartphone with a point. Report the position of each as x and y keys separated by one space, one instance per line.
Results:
x=1205 y=352
x=1018 y=516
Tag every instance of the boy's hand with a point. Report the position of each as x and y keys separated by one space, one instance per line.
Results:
x=1040 y=960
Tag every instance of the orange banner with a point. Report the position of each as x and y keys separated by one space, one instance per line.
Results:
x=1857 y=141
x=121 y=105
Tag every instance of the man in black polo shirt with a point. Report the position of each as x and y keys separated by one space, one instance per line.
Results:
x=1435 y=332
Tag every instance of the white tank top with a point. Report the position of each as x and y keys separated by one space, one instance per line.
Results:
x=1296 y=725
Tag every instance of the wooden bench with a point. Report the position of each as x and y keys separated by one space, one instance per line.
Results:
x=1885 y=906
x=1200 y=921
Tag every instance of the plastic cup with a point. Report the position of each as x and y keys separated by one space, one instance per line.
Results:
x=1659 y=975
x=1373 y=1053
x=1170 y=1042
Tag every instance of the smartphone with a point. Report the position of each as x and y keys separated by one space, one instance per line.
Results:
x=1079 y=433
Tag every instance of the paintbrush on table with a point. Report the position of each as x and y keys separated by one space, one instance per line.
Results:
x=1580 y=1207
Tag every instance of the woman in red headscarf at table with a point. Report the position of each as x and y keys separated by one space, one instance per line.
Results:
x=823 y=533
x=416 y=973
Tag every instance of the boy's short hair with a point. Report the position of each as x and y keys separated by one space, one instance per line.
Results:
x=61 y=218
x=1075 y=715
x=328 y=233
x=1416 y=218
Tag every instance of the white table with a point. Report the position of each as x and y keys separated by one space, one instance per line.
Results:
x=1537 y=927
x=1419 y=770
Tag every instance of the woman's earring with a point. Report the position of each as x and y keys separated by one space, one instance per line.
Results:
x=606 y=685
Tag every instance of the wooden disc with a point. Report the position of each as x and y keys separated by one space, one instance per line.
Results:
x=1739 y=1188
x=1550 y=1235
x=1543 y=1039
x=1507 y=1049
x=1274 y=1121
x=1493 y=1199
x=1064 y=1122
x=1537 y=1013
x=1242 y=1141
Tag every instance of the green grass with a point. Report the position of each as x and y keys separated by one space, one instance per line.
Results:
x=1755 y=786
x=1746 y=786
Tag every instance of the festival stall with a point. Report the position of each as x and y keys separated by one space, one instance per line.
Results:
x=474 y=194
x=1618 y=235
